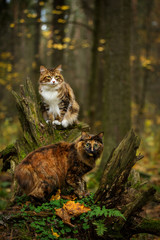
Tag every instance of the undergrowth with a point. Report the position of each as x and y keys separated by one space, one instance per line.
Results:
x=52 y=227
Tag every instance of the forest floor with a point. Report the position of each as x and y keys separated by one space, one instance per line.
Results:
x=152 y=210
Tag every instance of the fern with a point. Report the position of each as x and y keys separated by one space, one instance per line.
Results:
x=100 y=227
x=98 y=212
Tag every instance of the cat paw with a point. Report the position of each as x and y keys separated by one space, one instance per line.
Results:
x=48 y=121
x=65 y=123
x=56 y=122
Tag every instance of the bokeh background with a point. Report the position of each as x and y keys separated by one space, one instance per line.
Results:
x=110 y=55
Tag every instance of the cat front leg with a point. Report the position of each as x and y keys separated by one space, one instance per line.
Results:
x=57 y=121
x=71 y=115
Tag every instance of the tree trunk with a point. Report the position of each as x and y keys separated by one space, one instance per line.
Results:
x=146 y=68
x=93 y=81
x=116 y=90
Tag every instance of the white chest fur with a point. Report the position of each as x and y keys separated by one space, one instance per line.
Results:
x=50 y=96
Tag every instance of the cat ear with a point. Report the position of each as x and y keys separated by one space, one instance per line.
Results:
x=58 y=68
x=42 y=69
x=99 y=136
x=84 y=135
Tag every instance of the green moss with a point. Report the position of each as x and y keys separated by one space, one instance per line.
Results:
x=151 y=224
x=9 y=150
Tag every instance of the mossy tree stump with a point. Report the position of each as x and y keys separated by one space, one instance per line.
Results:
x=120 y=186
x=36 y=132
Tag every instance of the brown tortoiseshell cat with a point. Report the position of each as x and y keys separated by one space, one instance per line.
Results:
x=58 y=96
x=55 y=166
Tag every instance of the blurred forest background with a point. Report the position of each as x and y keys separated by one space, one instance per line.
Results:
x=110 y=55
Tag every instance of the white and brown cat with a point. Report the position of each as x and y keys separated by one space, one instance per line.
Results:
x=62 y=108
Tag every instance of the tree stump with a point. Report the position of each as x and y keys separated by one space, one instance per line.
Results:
x=36 y=132
x=120 y=187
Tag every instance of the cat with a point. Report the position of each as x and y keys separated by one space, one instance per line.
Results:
x=58 y=96
x=56 y=166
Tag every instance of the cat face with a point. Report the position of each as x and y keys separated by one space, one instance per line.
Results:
x=91 y=146
x=50 y=77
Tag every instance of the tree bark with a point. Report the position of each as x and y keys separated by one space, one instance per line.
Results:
x=116 y=90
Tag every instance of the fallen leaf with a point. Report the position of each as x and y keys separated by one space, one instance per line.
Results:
x=69 y=210
x=57 y=196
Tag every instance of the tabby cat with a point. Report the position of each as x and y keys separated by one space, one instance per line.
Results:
x=55 y=166
x=58 y=96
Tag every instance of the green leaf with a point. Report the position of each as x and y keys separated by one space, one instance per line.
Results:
x=100 y=227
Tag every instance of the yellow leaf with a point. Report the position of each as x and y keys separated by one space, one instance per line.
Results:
x=34 y=65
x=19 y=34
x=50 y=44
x=60 y=20
x=64 y=46
x=29 y=35
x=8 y=87
x=102 y=41
x=25 y=11
x=148 y=123
x=69 y=210
x=12 y=25
x=100 y=49
x=2 y=81
x=71 y=47
x=41 y=3
x=9 y=67
x=57 y=196
x=54 y=233
x=57 y=46
x=65 y=7
x=31 y=15
x=46 y=34
x=5 y=55
x=57 y=12
x=56 y=31
x=67 y=39
x=21 y=20
x=85 y=45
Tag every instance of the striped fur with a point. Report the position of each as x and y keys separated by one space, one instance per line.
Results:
x=61 y=106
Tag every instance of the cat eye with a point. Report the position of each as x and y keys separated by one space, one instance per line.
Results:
x=88 y=145
x=96 y=146
x=48 y=77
